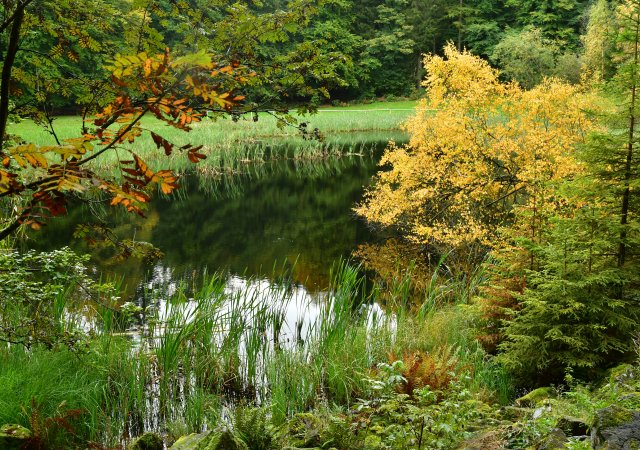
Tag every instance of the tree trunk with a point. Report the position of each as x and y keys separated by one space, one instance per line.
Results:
x=624 y=213
x=12 y=49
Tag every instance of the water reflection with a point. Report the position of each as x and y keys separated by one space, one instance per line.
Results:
x=297 y=309
x=275 y=218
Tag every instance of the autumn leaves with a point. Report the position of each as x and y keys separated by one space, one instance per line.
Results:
x=479 y=149
x=176 y=91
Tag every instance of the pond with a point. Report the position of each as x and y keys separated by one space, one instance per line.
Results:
x=281 y=216
x=273 y=231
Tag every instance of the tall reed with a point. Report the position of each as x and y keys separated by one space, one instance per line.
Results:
x=268 y=342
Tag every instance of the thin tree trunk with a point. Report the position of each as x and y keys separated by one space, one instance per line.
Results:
x=12 y=49
x=624 y=213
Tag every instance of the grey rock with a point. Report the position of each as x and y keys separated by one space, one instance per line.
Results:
x=616 y=428
x=539 y=412
x=573 y=426
x=553 y=441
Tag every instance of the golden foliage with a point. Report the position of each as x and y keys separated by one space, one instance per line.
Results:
x=477 y=148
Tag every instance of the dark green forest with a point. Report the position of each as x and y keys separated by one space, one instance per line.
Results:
x=343 y=50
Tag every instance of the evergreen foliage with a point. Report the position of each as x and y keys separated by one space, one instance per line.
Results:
x=571 y=315
x=580 y=308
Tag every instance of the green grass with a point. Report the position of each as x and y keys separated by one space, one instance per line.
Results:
x=230 y=144
x=393 y=105
x=41 y=385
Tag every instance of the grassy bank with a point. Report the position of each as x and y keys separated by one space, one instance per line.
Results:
x=230 y=144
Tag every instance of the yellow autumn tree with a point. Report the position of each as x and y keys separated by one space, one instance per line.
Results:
x=478 y=148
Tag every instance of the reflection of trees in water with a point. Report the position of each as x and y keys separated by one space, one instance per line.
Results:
x=393 y=263
x=276 y=217
x=230 y=185
x=251 y=223
x=413 y=273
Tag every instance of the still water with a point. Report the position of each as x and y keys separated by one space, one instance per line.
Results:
x=274 y=217
x=279 y=217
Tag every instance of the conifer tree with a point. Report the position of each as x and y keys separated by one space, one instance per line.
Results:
x=581 y=307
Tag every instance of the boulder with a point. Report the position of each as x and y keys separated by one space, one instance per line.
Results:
x=189 y=442
x=14 y=437
x=148 y=441
x=573 y=426
x=539 y=412
x=536 y=396
x=215 y=440
x=553 y=441
x=616 y=428
x=224 y=441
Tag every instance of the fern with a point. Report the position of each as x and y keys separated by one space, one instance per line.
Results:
x=436 y=369
x=47 y=431
x=252 y=425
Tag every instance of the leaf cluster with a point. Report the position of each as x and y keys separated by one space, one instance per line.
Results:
x=37 y=289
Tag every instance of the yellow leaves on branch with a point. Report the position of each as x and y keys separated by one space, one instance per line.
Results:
x=478 y=148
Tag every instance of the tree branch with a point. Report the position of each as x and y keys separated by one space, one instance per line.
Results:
x=11 y=18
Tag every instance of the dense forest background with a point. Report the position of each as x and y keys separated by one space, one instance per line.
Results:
x=356 y=50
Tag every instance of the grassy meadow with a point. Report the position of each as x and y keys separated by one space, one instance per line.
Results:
x=229 y=145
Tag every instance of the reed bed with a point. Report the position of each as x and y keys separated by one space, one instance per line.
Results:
x=227 y=341
x=229 y=145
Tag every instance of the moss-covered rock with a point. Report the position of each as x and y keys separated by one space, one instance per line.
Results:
x=536 y=396
x=148 y=441
x=615 y=428
x=553 y=441
x=224 y=441
x=189 y=442
x=217 y=440
x=612 y=416
x=14 y=437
